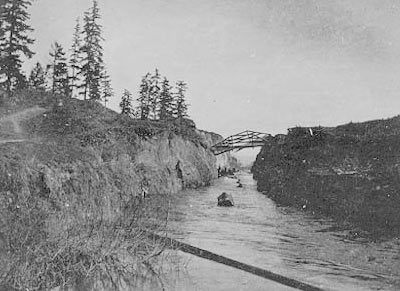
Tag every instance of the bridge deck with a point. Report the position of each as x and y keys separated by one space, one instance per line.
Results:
x=245 y=139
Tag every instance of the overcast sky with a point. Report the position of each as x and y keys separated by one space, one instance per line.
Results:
x=263 y=65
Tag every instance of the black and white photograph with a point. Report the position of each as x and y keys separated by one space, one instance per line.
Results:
x=199 y=145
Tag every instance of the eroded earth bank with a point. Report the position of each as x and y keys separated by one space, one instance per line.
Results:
x=72 y=179
x=350 y=173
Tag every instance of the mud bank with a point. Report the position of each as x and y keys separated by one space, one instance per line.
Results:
x=350 y=172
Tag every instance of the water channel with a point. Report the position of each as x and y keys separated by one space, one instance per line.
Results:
x=283 y=240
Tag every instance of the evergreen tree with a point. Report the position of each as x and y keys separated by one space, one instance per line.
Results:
x=155 y=91
x=14 y=42
x=166 y=101
x=75 y=59
x=143 y=109
x=126 y=103
x=59 y=70
x=37 y=78
x=135 y=113
x=92 y=50
x=106 y=89
x=181 y=107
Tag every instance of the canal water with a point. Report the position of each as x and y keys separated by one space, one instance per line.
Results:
x=289 y=242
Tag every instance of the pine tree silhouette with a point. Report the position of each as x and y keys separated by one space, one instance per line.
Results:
x=14 y=42
x=106 y=89
x=37 y=78
x=92 y=62
x=166 y=101
x=126 y=103
x=144 y=97
x=75 y=59
x=181 y=107
x=59 y=70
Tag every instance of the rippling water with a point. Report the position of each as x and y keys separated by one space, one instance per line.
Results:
x=289 y=242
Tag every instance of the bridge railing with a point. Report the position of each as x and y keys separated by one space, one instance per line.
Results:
x=245 y=139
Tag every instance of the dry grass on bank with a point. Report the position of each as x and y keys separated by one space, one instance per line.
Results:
x=39 y=253
x=46 y=243
x=64 y=219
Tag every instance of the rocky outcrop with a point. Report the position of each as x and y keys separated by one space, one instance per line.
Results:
x=349 y=172
x=225 y=200
x=225 y=160
x=171 y=163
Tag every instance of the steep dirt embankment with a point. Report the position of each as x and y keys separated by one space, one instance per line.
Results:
x=351 y=172
x=87 y=148
x=70 y=202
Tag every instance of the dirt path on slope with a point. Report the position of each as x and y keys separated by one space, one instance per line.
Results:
x=11 y=130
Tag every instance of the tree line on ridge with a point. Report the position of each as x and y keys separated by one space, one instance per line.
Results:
x=82 y=72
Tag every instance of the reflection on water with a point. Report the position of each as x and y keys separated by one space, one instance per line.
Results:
x=289 y=242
